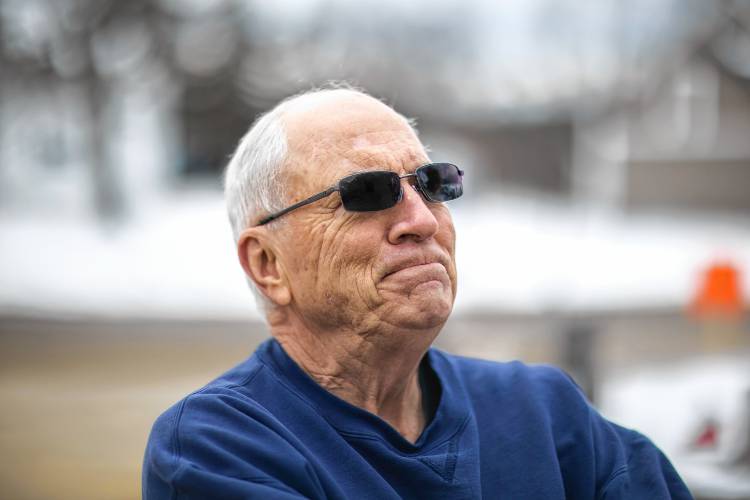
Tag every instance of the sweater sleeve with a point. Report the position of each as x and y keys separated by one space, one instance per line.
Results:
x=647 y=472
x=624 y=463
x=221 y=446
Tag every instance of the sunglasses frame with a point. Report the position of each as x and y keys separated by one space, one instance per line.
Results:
x=333 y=189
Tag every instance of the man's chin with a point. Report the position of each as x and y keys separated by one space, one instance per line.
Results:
x=421 y=311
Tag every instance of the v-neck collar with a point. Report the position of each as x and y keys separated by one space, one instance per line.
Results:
x=350 y=420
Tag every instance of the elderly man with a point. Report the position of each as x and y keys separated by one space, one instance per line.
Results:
x=342 y=227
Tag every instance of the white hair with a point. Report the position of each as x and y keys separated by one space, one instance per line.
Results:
x=252 y=184
x=251 y=179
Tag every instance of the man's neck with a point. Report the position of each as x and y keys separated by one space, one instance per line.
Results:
x=376 y=370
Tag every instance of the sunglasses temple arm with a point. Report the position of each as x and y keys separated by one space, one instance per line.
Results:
x=306 y=201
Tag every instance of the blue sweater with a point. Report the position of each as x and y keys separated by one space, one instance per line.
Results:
x=266 y=430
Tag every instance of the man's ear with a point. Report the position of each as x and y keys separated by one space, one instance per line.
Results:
x=260 y=262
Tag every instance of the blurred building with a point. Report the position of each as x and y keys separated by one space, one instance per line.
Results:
x=107 y=102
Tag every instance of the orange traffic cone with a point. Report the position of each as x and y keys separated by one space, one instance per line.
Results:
x=719 y=293
x=718 y=306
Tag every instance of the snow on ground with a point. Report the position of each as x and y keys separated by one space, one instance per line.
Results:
x=533 y=256
x=177 y=259
x=673 y=404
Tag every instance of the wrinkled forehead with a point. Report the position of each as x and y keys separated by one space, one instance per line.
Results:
x=324 y=148
x=393 y=149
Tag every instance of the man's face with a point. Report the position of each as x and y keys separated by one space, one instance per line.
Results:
x=363 y=269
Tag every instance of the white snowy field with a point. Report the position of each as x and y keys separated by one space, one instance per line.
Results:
x=177 y=259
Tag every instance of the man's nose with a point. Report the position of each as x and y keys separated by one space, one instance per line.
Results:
x=413 y=218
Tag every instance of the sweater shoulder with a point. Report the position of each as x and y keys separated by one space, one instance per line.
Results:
x=223 y=428
x=221 y=407
x=523 y=391
x=224 y=407
x=223 y=436
x=515 y=377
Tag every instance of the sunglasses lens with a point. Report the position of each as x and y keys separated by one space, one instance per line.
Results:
x=440 y=181
x=369 y=191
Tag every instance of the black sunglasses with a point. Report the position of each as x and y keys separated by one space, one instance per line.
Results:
x=378 y=190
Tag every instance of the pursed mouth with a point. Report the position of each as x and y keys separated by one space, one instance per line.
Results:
x=430 y=268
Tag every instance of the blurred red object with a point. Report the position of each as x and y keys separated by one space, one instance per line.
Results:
x=719 y=293
x=708 y=437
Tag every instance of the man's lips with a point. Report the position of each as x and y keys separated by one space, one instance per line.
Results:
x=431 y=262
x=419 y=273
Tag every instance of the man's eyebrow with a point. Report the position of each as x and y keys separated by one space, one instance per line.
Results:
x=380 y=161
x=381 y=168
x=352 y=171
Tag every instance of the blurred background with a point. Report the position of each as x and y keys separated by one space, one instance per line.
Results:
x=605 y=226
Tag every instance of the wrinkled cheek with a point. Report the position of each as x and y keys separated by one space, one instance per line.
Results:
x=335 y=302
x=454 y=283
x=362 y=288
x=338 y=284
x=350 y=271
